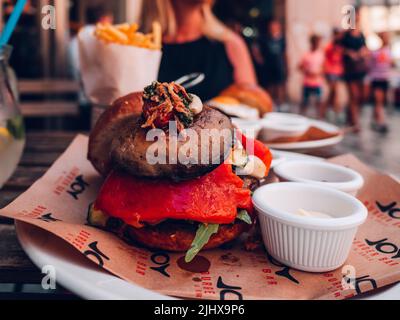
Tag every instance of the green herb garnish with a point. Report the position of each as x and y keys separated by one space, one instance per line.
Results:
x=150 y=90
x=244 y=216
x=186 y=100
x=203 y=234
x=16 y=127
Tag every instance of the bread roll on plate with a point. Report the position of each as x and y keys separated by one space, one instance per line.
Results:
x=233 y=108
x=250 y=95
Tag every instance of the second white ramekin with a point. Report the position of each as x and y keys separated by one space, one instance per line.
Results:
x=320 y=173
x=308 y=243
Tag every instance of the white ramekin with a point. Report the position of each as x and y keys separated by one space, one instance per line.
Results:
x=308 y=243
x=320 y=173
x=277 y=158
x=277 y=125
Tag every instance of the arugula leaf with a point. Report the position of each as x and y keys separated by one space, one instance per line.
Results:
x=16 y=127
x=244 y=216
x=203 y=234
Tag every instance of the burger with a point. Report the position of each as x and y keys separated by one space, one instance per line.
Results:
x=178 y=176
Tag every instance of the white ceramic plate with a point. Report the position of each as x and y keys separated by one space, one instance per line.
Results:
x=75 y=272
x=82 y=277
x=305 y=145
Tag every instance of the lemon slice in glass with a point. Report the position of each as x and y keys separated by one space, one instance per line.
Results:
x=5 y=138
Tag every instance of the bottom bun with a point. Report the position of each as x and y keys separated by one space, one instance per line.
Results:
x=175 y=235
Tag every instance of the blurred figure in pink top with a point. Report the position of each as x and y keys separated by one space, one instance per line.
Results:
x=380 y=73
x=312 y=67
x=333 y=69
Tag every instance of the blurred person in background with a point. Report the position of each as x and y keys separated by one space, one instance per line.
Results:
x=333 y=68
x=194 y=40
x=380 y=73
x=356 y=65
x=272 y=57
x=312 y=67
x=99 y=14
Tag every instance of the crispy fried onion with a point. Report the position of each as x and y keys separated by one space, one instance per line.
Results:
x=168 y=101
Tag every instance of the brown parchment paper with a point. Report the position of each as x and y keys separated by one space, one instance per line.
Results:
x=58 y=203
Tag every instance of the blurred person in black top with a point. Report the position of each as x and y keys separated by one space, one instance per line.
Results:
x=194 y=40
x=356 y=65
x=273 y=60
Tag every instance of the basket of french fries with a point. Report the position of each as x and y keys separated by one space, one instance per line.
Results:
x=117 y=59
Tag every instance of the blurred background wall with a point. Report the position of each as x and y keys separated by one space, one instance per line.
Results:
x=42 y=54
x=303 y=18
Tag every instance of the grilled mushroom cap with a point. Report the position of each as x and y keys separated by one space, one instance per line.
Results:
x=199 y=149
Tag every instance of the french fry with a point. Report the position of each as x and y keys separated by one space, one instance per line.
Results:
x=105 y=36
x=127 y=34
x=117 y=34
x=133 y=28
x=124 y=27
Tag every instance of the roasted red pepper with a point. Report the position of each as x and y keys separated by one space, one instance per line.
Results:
x=212 y=198
x=260 y=150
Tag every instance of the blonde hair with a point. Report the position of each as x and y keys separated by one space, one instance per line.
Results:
x=163 y=11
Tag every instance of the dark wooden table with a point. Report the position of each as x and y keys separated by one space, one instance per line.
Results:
x=16 y=270
x=19 y=278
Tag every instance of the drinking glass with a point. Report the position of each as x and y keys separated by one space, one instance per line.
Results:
x=12 y=131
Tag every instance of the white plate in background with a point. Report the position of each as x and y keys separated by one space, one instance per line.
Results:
x=305 y=145
x=250 y=128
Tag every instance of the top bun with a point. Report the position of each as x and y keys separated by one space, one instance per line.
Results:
x=119 y=141
x=122 y=111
